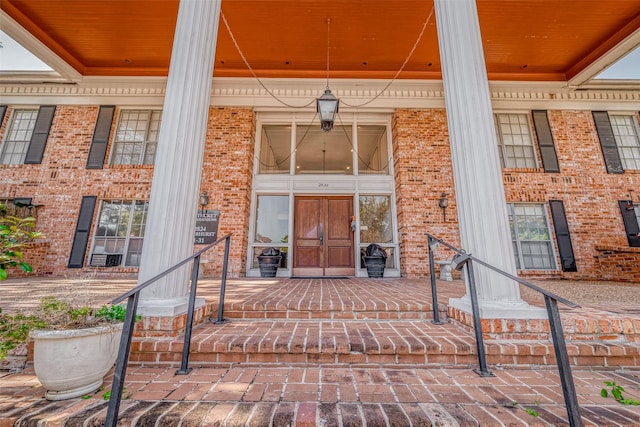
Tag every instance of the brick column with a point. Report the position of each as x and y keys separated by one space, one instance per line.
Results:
x=169 y=235
x=480 y=199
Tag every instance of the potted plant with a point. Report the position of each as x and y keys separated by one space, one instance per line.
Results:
x=375 y=259
x=77 y=348
x=268 y=261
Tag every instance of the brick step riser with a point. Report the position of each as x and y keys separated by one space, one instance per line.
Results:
x=333 y=359
x=329 y=315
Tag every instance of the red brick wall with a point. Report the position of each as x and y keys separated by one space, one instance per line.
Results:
x=423 y=171
x=227 y=173
x=60 y=181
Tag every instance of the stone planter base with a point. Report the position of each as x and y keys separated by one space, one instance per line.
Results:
x=72 y=363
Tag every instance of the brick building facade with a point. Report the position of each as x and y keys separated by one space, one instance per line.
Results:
x=594 y=200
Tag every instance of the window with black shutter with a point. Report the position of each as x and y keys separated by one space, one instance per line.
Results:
x=100 y=140
x=631 y=222
x=83 y=227
x=563 y=237
x=545 y=141
x=40 y=134
x=3 y=111
x=607 y=142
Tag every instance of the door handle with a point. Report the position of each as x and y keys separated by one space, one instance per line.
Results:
x=321 y=238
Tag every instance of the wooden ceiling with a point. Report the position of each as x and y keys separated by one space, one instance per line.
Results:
x=545 y=40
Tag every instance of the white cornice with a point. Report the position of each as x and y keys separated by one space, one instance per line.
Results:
x=297 y=93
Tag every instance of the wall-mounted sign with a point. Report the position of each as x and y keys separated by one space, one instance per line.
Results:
x=206 y=227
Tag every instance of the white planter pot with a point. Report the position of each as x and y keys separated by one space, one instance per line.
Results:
x=72 y=363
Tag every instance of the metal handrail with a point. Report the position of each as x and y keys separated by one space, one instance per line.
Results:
x=133 y=296
x=555 y=323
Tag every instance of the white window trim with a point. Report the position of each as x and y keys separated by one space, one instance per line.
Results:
x=295 y=185
x=143 y=152
x=501 y=145
x=553 y=254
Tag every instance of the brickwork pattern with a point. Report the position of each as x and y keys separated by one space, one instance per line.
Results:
x=423 y=171
x=281 y=395
x=60 y=181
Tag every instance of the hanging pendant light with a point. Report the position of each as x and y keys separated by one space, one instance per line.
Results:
x=327 y=109
x=327 y=104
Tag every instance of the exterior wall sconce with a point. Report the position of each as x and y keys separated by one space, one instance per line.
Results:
x=443 y=203
x=327 y=107
x=204 y=199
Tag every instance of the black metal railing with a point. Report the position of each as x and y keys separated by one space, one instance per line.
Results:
x=464 y=259
x=132 y=304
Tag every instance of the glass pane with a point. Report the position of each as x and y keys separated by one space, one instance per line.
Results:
x=375 y=219
x=319 y=152
x=272 y=219
x=137 y=133
x=373 y=150
x=134 y=252
x=529 y=226
x=275 y=149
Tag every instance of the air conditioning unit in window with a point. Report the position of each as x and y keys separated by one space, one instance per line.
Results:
x=106 y=260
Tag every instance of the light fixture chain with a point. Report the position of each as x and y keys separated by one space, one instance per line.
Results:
x=395 y=77
x=235 y=43
x=413 y=49
x=328 y=45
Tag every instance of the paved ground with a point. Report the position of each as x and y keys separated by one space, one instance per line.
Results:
x=330 y=396
x=326 y=394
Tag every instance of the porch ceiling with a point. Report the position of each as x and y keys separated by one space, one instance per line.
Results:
x=541 y=40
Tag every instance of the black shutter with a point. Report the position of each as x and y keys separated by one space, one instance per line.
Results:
x=631 y=225
x=3 y=111
x=83 y=228
x=607 y=142
x=545 y=141
x=562 y=236
x=100 y=139
x=40 y=134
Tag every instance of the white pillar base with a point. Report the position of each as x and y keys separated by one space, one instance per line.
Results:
x=171 y=307
x=500 y=310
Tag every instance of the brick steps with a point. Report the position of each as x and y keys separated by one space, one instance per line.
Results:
x=381 y=322
x=366 y=343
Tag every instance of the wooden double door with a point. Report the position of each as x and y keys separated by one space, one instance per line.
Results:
x=323 y=237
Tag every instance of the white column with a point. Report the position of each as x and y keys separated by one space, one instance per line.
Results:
x=170 y=227
x=481 y=203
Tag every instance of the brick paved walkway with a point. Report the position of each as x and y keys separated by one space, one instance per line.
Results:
x=341 y=353
x=282 y=395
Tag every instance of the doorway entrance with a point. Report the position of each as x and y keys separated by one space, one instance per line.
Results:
x=322 y=237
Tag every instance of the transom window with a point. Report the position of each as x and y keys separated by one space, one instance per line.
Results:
x=313 y=151
x=120 y=230
x=515 y=142
x=531 y=237
x=16 y=143
x=136 y=137
x=625 y=132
